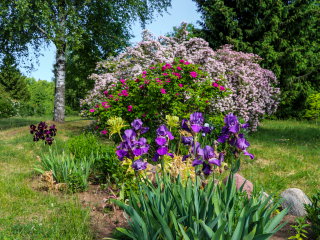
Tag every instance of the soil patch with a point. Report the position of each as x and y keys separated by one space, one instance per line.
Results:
x=287 y=231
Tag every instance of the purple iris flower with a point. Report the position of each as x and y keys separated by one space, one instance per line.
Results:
x=139 y=165
x=217 y=161
x=123 y=150
x=129 y=136
x=245 y=126
x=198 y=148
x=232 y=124
x=222 y=138
x=196 y=120
x=49 y=141
x=140 y=147
x=137 y=125
x=206 y=169
x=185 y=157
x=161 y=140
x=162 y=133
x=206 y=128
x=32 y=129
x=242 y=144
x=186 y=141
x=197 y=160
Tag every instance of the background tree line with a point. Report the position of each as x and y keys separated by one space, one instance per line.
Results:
x=284 y=33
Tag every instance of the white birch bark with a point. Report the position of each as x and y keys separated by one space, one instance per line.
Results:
x=60 y=73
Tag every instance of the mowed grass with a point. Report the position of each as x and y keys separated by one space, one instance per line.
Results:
x=287 y=155
x=25 y=211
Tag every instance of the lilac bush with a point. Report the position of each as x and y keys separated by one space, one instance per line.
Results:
x=254 y=94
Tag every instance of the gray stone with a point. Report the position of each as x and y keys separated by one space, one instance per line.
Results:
x=297 y=197
x=239 y=180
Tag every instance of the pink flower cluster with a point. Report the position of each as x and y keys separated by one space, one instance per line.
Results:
x=193 y=74
x=253 y=92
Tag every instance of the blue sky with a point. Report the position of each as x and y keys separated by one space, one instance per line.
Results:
x=182 y=10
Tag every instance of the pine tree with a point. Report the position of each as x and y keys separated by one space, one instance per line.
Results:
x=284 y=33
x=12 y=80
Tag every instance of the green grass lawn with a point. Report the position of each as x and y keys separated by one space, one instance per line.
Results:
x=287 y=155
x=26 y=213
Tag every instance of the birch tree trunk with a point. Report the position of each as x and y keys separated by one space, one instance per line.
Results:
x=60 y=72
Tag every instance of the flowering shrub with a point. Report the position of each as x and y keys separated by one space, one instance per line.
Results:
x=163 y=88
x=42 y=133
x=253 y=91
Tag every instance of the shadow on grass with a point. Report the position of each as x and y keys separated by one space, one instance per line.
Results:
x=15 y=122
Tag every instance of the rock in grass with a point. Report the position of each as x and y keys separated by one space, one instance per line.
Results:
x=239 y=180
x=297 y=197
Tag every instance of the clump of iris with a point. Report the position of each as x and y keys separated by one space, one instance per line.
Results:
x=208 y=156
x=41 y=132
x=134 y=146
x=230 y=133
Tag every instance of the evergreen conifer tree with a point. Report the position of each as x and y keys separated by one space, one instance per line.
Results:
x=284 y=33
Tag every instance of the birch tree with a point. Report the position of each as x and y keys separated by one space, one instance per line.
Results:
x=65 y=23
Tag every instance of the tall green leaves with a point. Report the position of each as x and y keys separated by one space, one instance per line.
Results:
x=182 y=211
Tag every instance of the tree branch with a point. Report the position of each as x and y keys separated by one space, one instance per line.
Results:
x=41 y=30
x=303 y=76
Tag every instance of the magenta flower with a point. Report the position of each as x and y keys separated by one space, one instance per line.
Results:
x=113 y=85
x=182 y=61
x=92 y=110
x=105 y=93
x=181 y=85
x=96 y=106
x=124 y=93
x=144 y=76
x=116 y=99
x=186 y=63
x=215 y=84
x=104 y=132
x=222 y=88
x=119 y=94
x=137 y=80
x=165 y=74
x=179 y=68
x=110 y=96
x=141 y=87
x=104 y=104
x=144 y=72
x=156 y=114
x=193 y=74
x=129 y=108
x=178 y=75
x=96 y=127
x=163 y=91
x=177 y=94
x=152 y=68
x=122 y=81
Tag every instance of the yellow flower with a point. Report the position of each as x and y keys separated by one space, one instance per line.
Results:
x=172 y=121
x=116 y=123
